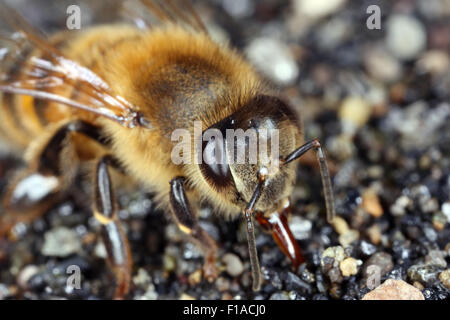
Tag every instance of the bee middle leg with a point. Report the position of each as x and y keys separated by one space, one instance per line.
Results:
x=113 y=236
x=187 y=222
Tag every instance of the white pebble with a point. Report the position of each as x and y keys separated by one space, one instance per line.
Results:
x=300 y=227
x=446 y=210
x=318 y=8
x=233 y=264
x=26 y=274
x=61 y=242
x=406 y=36
x=274 y=59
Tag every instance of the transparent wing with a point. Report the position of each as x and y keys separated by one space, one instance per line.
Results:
x=147 y=12
x=44 y=74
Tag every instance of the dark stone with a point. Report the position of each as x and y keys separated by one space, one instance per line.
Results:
x=293 y=282
x=436 y=293
x=320 y=296
x=272 y=276
x=398 y=273
x=425 y=274
x=321 y=284
x=366 y=248
x=271 y=257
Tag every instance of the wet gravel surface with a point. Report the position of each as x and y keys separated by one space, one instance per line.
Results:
x=379 y=102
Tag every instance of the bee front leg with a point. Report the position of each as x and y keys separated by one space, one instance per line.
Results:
x=113 y=236
x=187 y=222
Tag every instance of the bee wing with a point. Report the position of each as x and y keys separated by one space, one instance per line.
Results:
x=179 y=12
x=48 y=71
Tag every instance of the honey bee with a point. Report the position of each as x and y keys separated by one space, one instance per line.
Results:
x=115 y=93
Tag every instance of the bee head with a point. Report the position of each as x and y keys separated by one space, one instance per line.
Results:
x=256 y=136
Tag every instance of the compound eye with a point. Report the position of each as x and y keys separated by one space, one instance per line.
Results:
x=214 y=166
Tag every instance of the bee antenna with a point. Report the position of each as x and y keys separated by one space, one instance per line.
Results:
x=249 y=210
x=325 y=175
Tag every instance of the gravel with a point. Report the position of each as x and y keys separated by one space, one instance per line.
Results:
x=60 y=242
x=233 y=264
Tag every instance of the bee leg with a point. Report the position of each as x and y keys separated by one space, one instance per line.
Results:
x=276 y=224
x=113 y=236
x=187 y=222
x=326 y=181
x=37 y=188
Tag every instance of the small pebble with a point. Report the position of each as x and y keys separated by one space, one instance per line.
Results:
x=340 y=225
x=394 y=290
x=306 y=275
x=185 y=296
x=293 y=282
x=26 y=274
x=436 y=257
x=444 y=277
x=381 y=260
x=4 y=292
x=382 y=65
x=342 y=146
x=425 y=274
x=349 y=266
x=150 y=294
x=337 y=253
x=446 y=210
x=374 y=234
x=367 y=248
x=406 y=36
x=317 y=9
x=334 y=274
x=238 y=8
x=222 y=284
x=439 y=221
x=272 y=276
x=279 y=296
x=418 y=285
x=100 y=250
x=234 y=266
x=371 y=203
x=61 y=242
x=335 y=291
x=300 y=227
x=293 y=295
x=273 y=58
x=169 y=262
x=142 y=278
x=321 y=284
x=191 y=251
x=195 y=277
x=430 y=233
x=349 y=237
x=354 y=113
x=400 y=205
